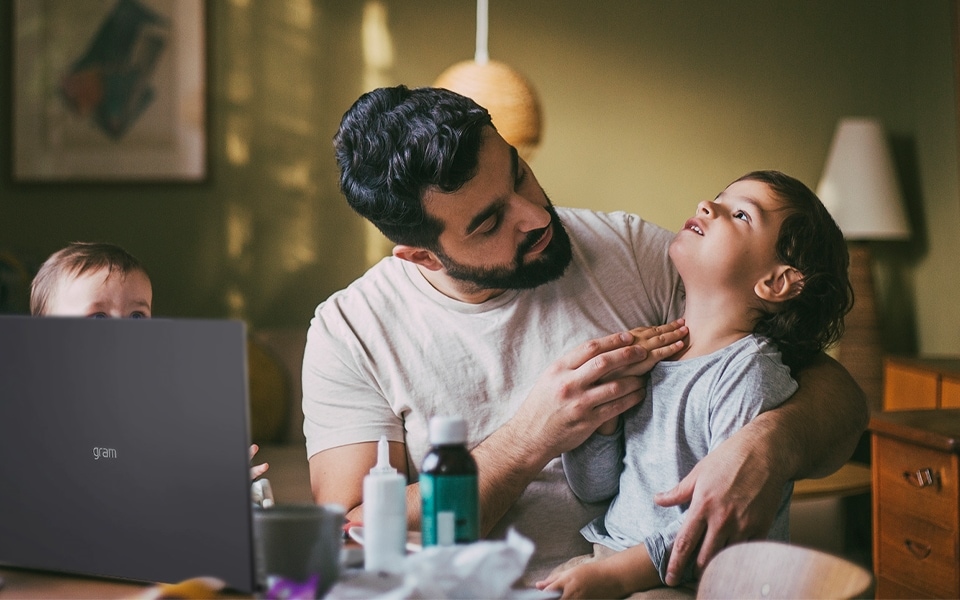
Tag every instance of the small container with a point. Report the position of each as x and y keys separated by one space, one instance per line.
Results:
x=384 y=515
x=448 y=486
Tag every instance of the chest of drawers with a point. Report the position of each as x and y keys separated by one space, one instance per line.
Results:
x=917 y=383
x=916 y=503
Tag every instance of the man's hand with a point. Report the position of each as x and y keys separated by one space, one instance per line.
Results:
x=575 y=395
x=591 y=384
x=659 y=343
x=732 y=497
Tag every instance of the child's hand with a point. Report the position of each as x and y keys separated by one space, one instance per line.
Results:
x=586 y=580
x=258 y=470
x=660 y=342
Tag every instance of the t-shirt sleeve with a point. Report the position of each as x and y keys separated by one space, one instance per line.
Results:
x=593 y=468
x=341 y=403
x=661 y=282
x=755 y=383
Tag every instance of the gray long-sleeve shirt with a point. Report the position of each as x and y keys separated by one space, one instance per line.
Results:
x=691 y=406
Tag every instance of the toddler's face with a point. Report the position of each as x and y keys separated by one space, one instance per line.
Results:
x=100 y=295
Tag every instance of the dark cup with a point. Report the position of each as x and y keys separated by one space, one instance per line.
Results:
x=296 y=543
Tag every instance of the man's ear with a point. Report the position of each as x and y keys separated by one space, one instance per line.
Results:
x=418 y=256
x=782 y=284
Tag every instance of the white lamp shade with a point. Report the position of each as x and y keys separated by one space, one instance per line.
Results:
x=859 y=185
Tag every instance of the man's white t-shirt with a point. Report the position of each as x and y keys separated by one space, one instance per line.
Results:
x=389 y=352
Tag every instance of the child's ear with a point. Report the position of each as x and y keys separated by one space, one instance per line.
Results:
x=418 y=256
x=782 y=284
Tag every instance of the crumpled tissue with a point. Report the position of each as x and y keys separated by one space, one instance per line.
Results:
x=484 y=569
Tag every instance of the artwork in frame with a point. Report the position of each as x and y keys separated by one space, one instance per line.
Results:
x=109 y=90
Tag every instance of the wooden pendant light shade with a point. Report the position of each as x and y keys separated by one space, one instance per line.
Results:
x=511 y=100
x=508 y=96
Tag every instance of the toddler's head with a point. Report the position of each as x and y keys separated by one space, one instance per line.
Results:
x=91 y=280
x=811 y=242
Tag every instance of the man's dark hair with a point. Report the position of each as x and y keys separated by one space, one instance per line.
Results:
x=395 y=143
x=811 y=242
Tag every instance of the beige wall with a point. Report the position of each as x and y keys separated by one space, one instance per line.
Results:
x=933 y=276
x=650 y=105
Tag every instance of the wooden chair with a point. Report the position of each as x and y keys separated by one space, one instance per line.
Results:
x=769 y=570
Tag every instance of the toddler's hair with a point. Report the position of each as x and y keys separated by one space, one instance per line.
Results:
x=74 y=260
x=811 y=242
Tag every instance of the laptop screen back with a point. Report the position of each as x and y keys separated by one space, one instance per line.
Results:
x=124 y=448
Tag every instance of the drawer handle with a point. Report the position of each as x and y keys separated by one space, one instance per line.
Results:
x=920 y=478
x=917 y=549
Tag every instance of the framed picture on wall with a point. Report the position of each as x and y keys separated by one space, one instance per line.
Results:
x=109 y=90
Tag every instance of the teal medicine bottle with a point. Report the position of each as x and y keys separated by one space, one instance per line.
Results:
x=448 y=486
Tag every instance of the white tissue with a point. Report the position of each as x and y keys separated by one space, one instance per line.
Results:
x=484 y=569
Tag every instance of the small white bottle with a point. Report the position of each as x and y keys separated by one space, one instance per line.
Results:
x=384 y=515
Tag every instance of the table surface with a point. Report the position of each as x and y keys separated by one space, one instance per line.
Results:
x=938 y=429
x=21 y=583
x=853 y=478
x=289 y=473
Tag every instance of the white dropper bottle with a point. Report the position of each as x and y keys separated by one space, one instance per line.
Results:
x=384 y=515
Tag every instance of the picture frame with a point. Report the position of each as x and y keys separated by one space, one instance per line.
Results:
x=109 y=91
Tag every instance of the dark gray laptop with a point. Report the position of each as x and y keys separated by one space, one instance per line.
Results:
x=124 y=448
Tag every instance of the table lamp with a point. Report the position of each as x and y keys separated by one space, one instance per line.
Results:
x=860 y=188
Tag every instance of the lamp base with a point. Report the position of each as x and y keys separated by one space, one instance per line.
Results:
x=860 y=350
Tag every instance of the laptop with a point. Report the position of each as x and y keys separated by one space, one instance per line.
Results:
x=124 y=448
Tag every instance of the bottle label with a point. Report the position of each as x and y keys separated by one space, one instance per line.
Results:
x=451 y=514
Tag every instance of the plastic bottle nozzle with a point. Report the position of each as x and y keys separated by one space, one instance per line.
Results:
x=383 y=457
x=384 y=514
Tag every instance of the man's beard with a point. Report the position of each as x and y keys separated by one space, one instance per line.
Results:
x=550 y=265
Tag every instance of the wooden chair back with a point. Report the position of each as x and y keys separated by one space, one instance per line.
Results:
x=769 y=570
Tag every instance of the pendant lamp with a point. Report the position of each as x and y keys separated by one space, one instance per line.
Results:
x=512 y=102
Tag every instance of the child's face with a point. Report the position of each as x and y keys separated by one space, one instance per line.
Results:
x=100 y=294
x=732 y=239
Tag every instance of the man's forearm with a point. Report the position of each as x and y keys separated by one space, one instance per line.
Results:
x=505 y=465
x=816 y=431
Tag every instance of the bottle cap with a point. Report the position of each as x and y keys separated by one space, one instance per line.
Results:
x=448 y=430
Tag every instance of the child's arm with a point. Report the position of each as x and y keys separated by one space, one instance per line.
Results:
x=593 y=468
x=615 y=576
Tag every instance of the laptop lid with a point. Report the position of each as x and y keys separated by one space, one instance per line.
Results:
x=124 y=448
